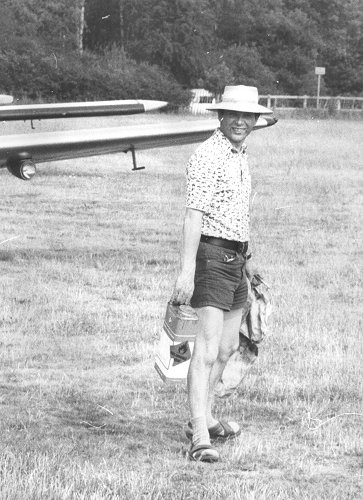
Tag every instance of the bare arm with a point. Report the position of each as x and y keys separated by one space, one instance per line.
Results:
x=184 y=285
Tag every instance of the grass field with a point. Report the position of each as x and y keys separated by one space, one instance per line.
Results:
x=88 y=259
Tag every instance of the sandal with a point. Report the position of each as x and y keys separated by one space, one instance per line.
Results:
x=222 y=430
x=203 y=453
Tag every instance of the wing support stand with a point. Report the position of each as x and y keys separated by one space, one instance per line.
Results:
x=134 y=164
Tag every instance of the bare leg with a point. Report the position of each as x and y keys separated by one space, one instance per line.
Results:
x=228 y=344
x=205 y=353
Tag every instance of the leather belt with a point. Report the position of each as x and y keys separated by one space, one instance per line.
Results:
x=237 y=246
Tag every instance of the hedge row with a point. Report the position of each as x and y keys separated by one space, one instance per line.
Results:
x=36 y=75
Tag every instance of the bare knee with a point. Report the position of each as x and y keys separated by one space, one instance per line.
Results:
x=206 y=345
x=225 y=352
x=205 y=356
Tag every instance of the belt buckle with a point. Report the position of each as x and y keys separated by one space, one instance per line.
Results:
x=228 y=259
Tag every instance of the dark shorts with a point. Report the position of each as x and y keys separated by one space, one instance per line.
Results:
x=220 y=279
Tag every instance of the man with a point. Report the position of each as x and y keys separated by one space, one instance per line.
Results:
x=214 y=253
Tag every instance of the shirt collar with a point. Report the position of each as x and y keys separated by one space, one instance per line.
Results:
x=226 y=143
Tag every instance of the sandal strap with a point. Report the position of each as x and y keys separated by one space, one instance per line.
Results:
x=196 y=453
x=223 y=429
x=201 y=447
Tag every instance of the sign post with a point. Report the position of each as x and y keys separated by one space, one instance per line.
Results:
x=319 y=71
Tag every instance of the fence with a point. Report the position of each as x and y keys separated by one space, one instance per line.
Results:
x=202 y=99
x=295 y=101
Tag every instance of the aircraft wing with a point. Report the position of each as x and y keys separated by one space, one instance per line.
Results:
x=20 y=152
x=78 y=109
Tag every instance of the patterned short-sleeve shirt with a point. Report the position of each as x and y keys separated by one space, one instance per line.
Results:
x=219 y=185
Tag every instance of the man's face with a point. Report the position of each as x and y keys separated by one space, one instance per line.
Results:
x=236 y=126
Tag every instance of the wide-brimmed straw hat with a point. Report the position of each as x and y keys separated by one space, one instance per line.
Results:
x=240 y=98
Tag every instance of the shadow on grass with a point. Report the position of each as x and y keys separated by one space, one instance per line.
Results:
x=121 y=420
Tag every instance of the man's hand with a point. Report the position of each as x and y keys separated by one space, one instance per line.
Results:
x=184 y=287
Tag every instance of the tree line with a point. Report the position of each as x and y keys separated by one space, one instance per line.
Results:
x=63 y=49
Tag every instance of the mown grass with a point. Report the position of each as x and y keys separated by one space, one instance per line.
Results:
x=84 y=287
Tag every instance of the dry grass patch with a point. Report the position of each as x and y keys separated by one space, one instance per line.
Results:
x=90 y=261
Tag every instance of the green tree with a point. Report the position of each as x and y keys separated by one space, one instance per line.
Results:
x=52 y=24
x=217 y=74
x=287 y=38
x=341 y=25
x=273 y=44
x=102 y=20
x=173 y=34
x=282 y=39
